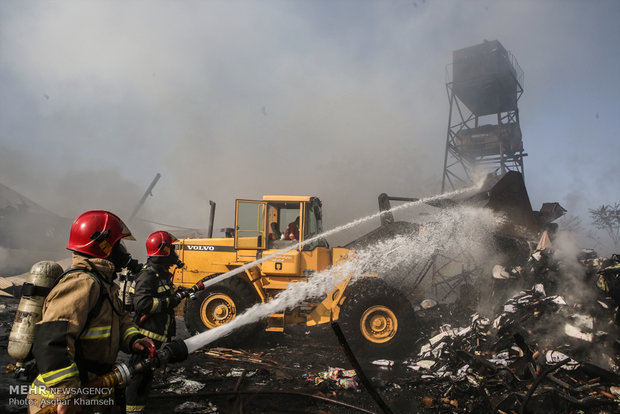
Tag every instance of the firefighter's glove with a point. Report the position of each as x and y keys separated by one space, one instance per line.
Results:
x=150 y=350
x=183 y=292
x=142 y=345
x=174 y=300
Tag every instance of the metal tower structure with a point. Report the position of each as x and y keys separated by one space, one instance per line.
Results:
x=484 y=135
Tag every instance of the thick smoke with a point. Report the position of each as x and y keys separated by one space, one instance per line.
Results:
x=233 y=100
x=572 y=279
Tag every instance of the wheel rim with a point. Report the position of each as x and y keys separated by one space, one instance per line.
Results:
x=217 y=310
x=378 y=324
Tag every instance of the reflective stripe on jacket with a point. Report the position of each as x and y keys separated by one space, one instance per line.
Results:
x=65 y=329
x=153 y=300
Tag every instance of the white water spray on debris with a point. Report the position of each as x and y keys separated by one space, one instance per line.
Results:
x=448 y=231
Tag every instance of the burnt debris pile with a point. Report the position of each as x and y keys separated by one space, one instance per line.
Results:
x=540 y=353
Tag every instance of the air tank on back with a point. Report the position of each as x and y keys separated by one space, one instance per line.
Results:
x=35 y=289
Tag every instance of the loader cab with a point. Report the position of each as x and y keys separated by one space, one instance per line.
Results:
x=263 y=224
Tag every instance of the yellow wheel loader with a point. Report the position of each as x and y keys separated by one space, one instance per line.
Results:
x=376 y=318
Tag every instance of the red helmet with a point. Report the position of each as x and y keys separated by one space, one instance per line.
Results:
x=159 y=244
x=95 y=233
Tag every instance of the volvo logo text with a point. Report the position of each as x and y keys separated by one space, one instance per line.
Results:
x=200 y=248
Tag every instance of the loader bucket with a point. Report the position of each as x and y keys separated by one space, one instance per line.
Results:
x=507 y=196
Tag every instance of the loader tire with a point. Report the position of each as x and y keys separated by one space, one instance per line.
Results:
x=218 y=305
x=378 y=321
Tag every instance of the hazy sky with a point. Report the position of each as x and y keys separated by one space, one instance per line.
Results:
x=339 y=99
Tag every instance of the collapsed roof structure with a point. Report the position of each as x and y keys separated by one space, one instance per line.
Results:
x=28 y=232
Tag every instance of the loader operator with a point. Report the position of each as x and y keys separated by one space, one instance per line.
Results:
x=292 y=231
x=154 y=302
x=84 y=325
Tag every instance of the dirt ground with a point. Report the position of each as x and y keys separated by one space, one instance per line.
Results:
x=273 y=373
x=290 y=373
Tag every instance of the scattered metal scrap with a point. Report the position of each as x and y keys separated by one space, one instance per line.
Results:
x=538 y=353
x=524 y=361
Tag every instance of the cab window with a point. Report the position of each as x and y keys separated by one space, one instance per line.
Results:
x=288 y=215
x=250 y=225
x=314 y=226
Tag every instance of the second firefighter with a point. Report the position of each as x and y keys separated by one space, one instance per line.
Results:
x=154 y=296
x=154 y=300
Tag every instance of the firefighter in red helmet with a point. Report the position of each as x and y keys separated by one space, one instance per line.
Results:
x=83 y=323
x=154 y=302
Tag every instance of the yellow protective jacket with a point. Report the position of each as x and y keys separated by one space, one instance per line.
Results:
x=72 y=344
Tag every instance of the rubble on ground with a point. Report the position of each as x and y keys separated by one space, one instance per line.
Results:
x=530 y=358
x=537 y=351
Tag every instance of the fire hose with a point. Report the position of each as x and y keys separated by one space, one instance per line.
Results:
x=183 y=293
x=121 y=373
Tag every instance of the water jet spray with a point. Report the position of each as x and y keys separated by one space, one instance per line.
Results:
x=473 y=224
x=354 y=223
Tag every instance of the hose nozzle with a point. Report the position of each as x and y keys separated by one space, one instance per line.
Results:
x=191 y=292
x=175 y=351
